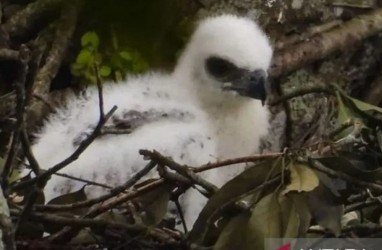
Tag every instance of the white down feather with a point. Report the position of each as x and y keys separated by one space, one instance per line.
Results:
x=190 y=118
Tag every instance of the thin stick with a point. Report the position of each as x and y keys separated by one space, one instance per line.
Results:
x=74 y=156
x=24 y=56
x=113 y=192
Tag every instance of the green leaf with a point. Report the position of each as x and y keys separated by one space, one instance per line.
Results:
x=85 y=236
x=154 y=204
x=232 y=235
x=126 y=56
x=105 y=71
x=140 y=66
x=279 y=219
x=84 y=57
x=302 y=178
x=73 y=197
x=90 y=39
x=344 y=165
x=353 y=108
x=326 y=208
x=204 y=229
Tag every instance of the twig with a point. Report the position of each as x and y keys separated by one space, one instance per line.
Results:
x=33 y=164
x=291 y=40
x=361 y=205
x=45 y=100
x=100 y=224
x=84 y=181
x=27 y=209
x=24 y=55
x=63 y=34
x=74 y=156
x=181 y=215
x=68 y=232
x=183 y=170
x=113 y=192
x=363 y=229
x=173 y=177
x=228 y=162
x=142 y=173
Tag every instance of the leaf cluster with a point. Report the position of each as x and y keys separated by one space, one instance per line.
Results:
x=114 y=62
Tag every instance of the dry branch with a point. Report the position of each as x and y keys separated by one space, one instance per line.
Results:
x=24 y=56
x=112 y=193
x=23 y=20
x=8 y=54
x=64 y=33
x=324 y=44
x=100 y=224
x=183 y=170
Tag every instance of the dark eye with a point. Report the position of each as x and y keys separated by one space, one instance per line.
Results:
x=220 y=68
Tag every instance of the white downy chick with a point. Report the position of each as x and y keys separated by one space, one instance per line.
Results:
x=209 y=108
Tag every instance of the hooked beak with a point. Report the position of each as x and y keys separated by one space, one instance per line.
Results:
x=251 y=84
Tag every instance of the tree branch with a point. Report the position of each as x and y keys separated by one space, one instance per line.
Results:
x=322 y=45
x=23 y=20
x=24 y=56
x=8 y=55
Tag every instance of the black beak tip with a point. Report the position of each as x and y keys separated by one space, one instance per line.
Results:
x=253 y=85
x=257 y=88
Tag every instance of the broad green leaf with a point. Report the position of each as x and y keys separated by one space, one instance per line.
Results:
x=352 y=108
x=232 y=235
x=274 y=216
x=105 y=71
x=303 y=212
x=326 y=208
x=90 y=39
x=302 y=178
x=76 y=196
x=85 y=236
x=154 y=204
x=77 y=67
x=126 y=56
x=344 y=165
x=84 y=57
x=73 y=197
x=228 y=194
